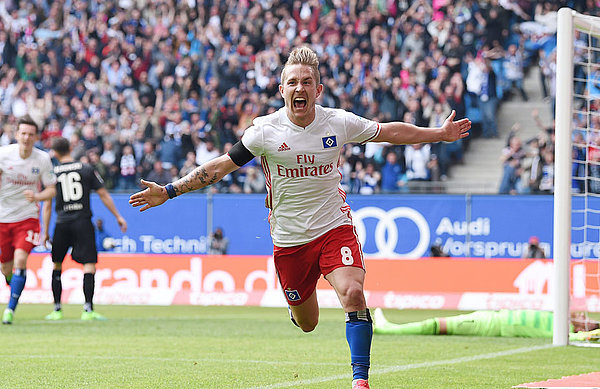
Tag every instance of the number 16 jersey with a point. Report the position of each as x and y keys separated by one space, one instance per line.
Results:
x=75 y=181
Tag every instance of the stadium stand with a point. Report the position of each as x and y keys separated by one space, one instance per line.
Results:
x=189 y=77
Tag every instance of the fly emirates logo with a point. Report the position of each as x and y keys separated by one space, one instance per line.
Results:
x=306 y=168
x=21 y=180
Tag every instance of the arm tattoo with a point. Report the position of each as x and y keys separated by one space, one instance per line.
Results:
x=190 y=182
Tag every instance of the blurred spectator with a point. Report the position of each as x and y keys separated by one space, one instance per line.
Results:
x=445 y=153
x=147 y=159
x=101 y=168
x=417 y=157
x=127 y=179
x=511 y=159
x=437 y=249
x=255 y=181
x=369 y=180
x=593 y=161
x=246 y=115
x=90 y=138
x=513 y=69
x=392 y=175
x=545 y=73
x=206 y=151
x=169 y=151
x=174 y=174
x=580 y=56
x=189 y=164
x=532 y=168
x=52 y=130
x=593 y=82
x=104 y=241
x=547 y=179
x=579 y=166
x=545 y=129
x=174 y=125
x=109 y=159
x=7 y=134
x=534 y=251
x=544 y=19
x=354 y=177
x=481 y=81
x=433 y=167
x=345 y=169
x=217 y=242
x=159 y=174
x=77 y=146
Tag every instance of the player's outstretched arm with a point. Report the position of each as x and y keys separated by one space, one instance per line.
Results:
x=153 y=196
x=110 y=205
x=206 y=174
x=406 y=133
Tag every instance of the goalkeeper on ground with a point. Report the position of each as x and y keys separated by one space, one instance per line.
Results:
x=507 y=323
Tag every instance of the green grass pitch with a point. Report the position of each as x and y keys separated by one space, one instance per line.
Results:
x=251 y=347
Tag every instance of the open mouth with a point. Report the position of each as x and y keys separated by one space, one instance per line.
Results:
x=299 y=103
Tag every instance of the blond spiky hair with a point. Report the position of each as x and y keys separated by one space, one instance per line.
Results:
x=303 y=56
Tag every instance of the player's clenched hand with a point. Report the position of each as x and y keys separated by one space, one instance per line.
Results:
x=45 y=240
x=152 y=196
x=454 y=130
x=122 y=224
x=29 y=195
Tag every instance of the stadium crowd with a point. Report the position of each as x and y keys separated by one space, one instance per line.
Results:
x=528 y=164
x=150 y=89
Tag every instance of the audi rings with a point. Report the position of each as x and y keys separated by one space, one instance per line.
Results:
x=386 y=231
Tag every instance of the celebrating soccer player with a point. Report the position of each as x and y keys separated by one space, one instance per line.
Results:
x=311 y=225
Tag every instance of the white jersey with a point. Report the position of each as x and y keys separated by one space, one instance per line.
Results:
x=18 y=175
x=301 y=168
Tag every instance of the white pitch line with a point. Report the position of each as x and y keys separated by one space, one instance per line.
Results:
x=410 y=366
x=381 y=370
x=462 y=359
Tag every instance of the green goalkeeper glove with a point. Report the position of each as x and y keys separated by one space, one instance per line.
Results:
x=590 y=336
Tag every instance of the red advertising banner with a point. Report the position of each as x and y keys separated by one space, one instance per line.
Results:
x=433 y=283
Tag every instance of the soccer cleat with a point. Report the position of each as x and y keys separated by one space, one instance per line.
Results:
x=85 y=315
x=54 y=315
x=7 y=317
x=379 y=321
x=360 y=384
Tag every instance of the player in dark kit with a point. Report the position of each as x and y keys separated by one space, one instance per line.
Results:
x=74 y=228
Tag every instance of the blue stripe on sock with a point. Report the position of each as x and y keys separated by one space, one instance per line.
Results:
x=359 y=334
x=17 y=283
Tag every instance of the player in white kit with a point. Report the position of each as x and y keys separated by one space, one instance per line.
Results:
x=24 y=170
x=311 y=223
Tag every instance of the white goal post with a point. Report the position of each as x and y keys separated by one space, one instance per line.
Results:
x=570 y=21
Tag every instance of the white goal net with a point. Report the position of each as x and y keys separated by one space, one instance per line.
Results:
x=577 y=186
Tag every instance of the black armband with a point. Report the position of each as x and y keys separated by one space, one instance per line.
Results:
x=240 y=155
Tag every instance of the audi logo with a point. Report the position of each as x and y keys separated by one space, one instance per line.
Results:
x=386 y=231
